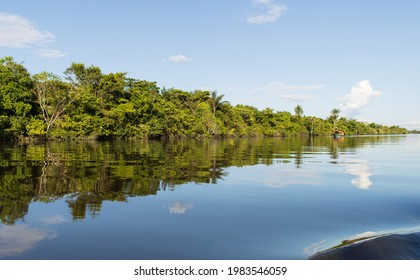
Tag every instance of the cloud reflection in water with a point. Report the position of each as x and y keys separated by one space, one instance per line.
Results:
x=314 y=248
x=362 y=171
x=15 y=240
x=278 y=176
x=53 y=220
x=179 y=207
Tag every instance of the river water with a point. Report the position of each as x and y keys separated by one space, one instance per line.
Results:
x=273 y=198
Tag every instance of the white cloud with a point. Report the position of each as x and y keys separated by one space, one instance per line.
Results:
x=282 y=87
x=285 y=92
x=274 y=95
x=19 y=32
x=361 y=94
x=179 y=207
x=51 y=53
x=53 y=220
x=179 y=58
x=272 y=11
x=296 y=97
x=414 y=124
x=18 y=239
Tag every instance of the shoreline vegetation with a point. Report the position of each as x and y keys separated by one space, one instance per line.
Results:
x=88 y=104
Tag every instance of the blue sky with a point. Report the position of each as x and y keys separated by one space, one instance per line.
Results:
x=360 y=56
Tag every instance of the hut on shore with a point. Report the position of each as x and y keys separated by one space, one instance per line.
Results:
x=338 y=134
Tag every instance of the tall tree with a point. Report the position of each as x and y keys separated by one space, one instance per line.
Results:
x=80 y=75
x=298 y=116
x=335 y=114
x=215 y=101
x=87 y=80
x=298 y=111
x=53 y=96
x=15 y=97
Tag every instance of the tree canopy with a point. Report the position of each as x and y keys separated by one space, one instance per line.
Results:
x=87 y=103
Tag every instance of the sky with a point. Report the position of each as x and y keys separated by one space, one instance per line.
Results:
x=362 y=57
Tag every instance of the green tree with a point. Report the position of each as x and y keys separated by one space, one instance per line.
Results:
x=148 y=105
x=111 y=90
x=15 y=98
x=334 y=116
x=215 y=101
x=96 y=105
x=53 y=96
x=298 y=111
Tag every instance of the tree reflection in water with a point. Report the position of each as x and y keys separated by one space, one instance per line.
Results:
x=86 y=173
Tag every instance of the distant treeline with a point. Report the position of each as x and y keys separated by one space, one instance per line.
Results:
x=86 y=103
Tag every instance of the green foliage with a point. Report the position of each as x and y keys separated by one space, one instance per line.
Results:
x=53 y=97
x=36 y=127
x=215 y=101
x=335 y=113
x=298 y=111
x=91 y=104
x=15 y=98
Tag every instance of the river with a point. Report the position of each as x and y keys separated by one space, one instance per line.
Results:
x=252 y=198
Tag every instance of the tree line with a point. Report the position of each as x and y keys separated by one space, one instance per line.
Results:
x=86 y=103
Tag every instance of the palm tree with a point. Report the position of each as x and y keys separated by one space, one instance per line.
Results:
x=335 y=113
x=215 y=101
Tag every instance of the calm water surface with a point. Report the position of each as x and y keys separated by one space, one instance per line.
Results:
x=209 y=199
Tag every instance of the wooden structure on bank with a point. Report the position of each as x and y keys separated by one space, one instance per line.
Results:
x=338 y=134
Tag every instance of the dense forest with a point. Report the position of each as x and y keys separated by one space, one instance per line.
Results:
x=86 y=103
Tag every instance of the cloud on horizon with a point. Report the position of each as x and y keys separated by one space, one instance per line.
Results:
x=263 y=96
x=270 y=94
x=360 y=96
x=272 y=12
x=413 y=124
x=286 y=92
x=19 y=32
x=49 y=53
x=179 y=58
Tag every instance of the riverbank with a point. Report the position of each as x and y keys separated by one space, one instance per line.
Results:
x=87 y=103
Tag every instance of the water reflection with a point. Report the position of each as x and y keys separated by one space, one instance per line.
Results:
x=179 y=207
x=278 y=177
x=362 y=171
x=18 y=239
x=85 y=174
x=314 y=248
x=52 y=220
